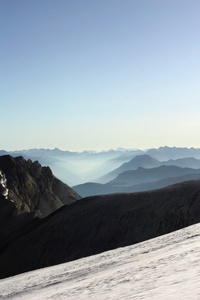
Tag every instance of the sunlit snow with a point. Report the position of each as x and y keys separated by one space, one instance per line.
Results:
x=3 y=188
x=167 y=267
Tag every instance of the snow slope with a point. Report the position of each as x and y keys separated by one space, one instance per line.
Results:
x=166 y=267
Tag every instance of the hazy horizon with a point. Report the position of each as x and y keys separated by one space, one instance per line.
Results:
x=101 y=150
x=99 y=74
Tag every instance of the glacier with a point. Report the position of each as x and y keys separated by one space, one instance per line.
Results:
x=166 y=267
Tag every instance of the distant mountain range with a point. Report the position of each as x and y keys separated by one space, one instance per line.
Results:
x=92 y=188
x=167 y=153
x=142 y=173
x=145 y=161
x=75 y=168
x=91 y=173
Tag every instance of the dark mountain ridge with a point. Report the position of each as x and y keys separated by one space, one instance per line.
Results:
x=101 y=223
x=142 y=175
x=91 y=188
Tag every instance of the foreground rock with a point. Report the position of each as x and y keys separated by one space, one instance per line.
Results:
x=96 y=224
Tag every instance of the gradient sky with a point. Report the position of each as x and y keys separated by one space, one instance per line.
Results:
x=99 y=74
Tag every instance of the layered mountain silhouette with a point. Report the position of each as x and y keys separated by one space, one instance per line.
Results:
x=167 y=153
x=144 y=161
x=140 y=180
x=187 y=162
x=142 y=175
x=147 y=162
x=76 y=168
x=96 y=224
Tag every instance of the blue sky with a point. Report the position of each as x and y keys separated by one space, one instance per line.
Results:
x=99 y=74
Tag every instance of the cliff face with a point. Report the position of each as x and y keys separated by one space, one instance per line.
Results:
x=101 y=223
x=33 y=188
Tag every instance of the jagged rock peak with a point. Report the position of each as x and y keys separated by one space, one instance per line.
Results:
x=31 y=187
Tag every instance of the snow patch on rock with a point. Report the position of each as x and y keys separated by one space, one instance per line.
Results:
x=3 y=187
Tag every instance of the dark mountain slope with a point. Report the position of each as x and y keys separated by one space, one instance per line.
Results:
x=160 y=183
x=139 y=180
x=97 y=224
x=92 y=189
x=142 y=175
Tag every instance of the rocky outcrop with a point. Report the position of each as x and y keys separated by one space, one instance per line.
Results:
x=101 y=223
x=33 y=188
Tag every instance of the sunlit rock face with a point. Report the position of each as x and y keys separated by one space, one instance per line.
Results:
x=3 y=188
x=7 y=206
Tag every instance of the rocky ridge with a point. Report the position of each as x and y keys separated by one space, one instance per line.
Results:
x=33 y=188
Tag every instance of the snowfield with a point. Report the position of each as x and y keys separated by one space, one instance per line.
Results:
x=167 y=267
